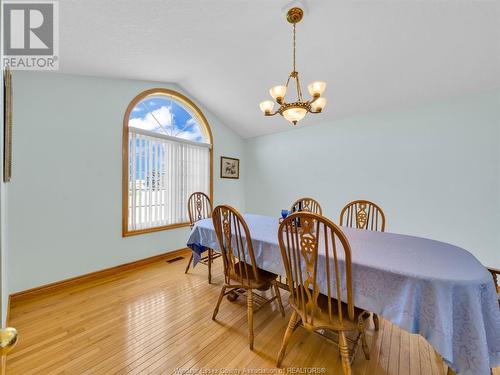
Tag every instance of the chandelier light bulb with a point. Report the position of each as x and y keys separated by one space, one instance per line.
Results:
x=294 y=114
x=318 y=104
x=316 y=88
x=278 y=93
x=266 y=106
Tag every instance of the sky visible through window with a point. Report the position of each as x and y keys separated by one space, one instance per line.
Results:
x=164 y=115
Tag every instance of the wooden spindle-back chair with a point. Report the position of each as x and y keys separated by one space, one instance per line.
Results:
x=318 y=250
x=495 y=273
x=307 y=205
x=200 y=207
x=240 y=268
x=363 y=214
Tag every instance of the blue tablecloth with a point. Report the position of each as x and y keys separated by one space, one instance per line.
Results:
x=435 y=289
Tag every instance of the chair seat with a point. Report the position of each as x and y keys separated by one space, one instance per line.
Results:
x=322 y=319
x=265 y=277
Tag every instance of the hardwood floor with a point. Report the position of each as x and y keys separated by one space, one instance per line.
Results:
x=156 y=319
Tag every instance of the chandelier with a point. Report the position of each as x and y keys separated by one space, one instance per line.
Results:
x=295 y=111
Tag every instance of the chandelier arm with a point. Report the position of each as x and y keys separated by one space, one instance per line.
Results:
x=287 y=82
x=310 y=108
x=299 y=89
x=272 y=114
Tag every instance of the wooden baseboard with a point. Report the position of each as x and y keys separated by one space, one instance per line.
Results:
x=92 y=276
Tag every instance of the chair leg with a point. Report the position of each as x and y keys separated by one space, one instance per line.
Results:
x=218 y=302
x=364 y=344
x=297 y=324
x=210 y=266
x=278 y=297
x=288 y=333
x=344 y=353
x=250 y=317
x=376 y=322
x=189 y=263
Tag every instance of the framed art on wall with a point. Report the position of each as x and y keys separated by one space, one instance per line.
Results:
x=229 y=167
x=7 y=123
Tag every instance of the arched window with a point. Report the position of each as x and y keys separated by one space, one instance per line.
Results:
x=167 y=156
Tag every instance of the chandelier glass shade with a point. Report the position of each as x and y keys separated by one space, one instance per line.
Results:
x=295 y=111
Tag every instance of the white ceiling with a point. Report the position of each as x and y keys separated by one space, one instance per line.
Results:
x=374 y=55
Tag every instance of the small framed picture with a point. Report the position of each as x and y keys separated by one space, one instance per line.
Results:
x=229 y=167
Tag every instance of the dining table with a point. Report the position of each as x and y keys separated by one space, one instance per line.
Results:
x=426 y=287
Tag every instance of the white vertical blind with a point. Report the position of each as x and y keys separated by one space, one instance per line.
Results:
x=163 y=173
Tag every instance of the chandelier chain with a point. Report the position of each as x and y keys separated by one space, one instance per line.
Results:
x=294 y=47
x=295 y=74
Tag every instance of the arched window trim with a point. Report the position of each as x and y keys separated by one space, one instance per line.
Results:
x=125 y=153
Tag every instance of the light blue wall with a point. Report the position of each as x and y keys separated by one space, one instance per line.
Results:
x=4 y=290
x=435 y=170
x=64 y=204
